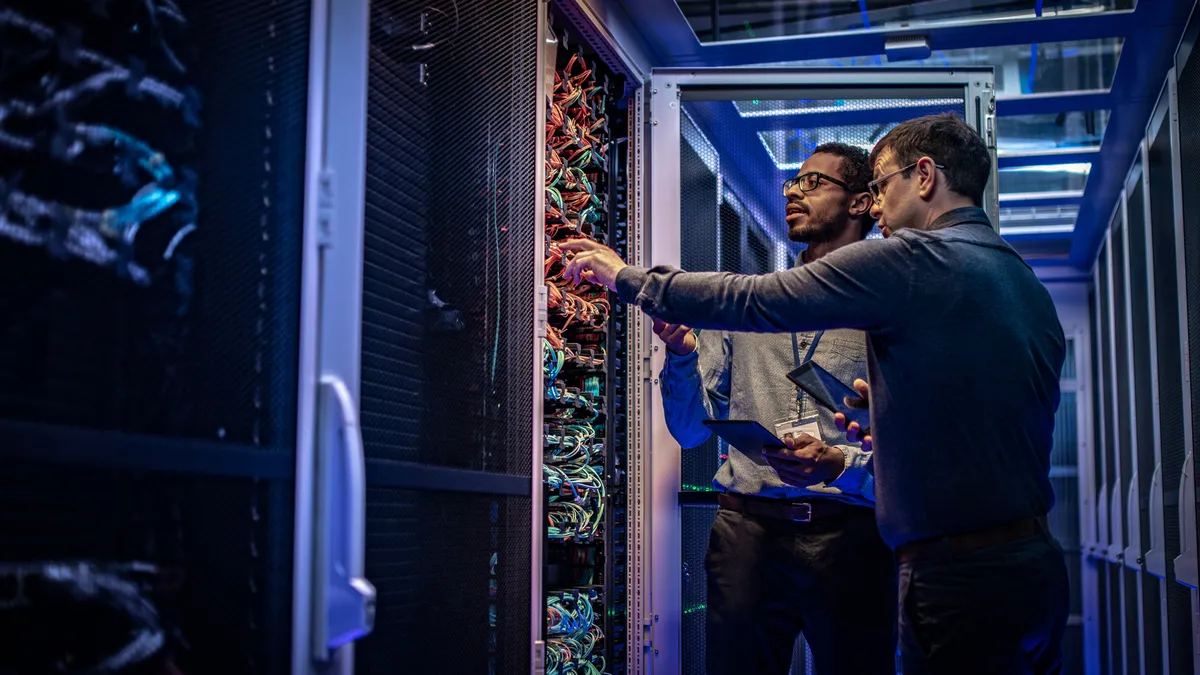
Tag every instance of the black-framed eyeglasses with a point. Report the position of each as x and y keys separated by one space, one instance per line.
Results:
x=808 y=182
x=876 y=186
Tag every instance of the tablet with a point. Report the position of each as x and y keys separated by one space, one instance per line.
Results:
x=829 y=391
x=745 y=435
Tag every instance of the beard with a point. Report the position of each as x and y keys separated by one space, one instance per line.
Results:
x=812 y=231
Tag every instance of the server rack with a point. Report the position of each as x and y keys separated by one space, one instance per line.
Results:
x=152 y=371
x=1166 y=374
x=590 y=131
x=1144 y=308
x=1185 y=144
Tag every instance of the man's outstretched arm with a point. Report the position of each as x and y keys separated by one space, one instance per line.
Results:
x=863 y=286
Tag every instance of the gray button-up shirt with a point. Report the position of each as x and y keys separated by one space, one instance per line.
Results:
x=743 y=376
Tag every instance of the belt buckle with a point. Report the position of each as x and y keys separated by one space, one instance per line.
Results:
x=804 y=508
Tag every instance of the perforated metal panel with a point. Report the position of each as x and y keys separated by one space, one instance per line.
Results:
x=1189 y=159
x=1068 y=371
x=223 y=547
x=1110 y=592
x=1096 y=445
x=696 y=526
x=1122 y=447
x=699 y=190
x=1106 y=386
x=1170 y=378
x=448 y=311
x=452 y=576
x=1065 y=448
x=1142 y=447
x=450 y=226
x=704 y=221
x=205 y=346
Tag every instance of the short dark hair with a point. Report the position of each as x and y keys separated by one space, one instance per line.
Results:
x=856 y=173
x=949 y=141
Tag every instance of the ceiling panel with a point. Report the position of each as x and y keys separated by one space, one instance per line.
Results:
x=737 y=20
x=1021 y=69
x=1028 y=134
x=1076 y=80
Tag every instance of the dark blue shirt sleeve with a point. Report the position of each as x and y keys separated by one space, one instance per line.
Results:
x=863 y=286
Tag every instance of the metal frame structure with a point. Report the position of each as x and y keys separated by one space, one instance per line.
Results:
x=1088 y=526
x=537 y=598
x=1098 y=551
x=334 y=605
x=659 y=454
x=640 y=395
x=1148 y=30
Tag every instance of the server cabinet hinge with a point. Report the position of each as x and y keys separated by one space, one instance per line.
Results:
x=542 y=311
x=539 y=657
x=325 y=206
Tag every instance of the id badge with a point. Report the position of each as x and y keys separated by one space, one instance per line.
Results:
x=808 y=425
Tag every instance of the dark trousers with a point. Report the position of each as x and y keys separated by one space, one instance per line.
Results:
x=769 y=580
x=1000 y=610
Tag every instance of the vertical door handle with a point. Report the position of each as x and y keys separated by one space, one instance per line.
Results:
x=344 y=601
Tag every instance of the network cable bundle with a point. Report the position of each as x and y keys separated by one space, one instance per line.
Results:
x=578 y=369
x=78 y=181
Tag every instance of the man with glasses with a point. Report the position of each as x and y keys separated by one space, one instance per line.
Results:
x=965 y=350
x=794 y=548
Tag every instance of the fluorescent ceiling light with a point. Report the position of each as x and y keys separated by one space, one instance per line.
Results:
x=795 y=166
x=1037 y=229
x=1049 y=194
x=881 y=105
x=1082 y=169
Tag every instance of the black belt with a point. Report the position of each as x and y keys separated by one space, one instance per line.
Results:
x=797 y=512
x=969 y=541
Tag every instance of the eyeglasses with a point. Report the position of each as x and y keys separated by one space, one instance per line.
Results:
x=808 y=182
x=876 y=186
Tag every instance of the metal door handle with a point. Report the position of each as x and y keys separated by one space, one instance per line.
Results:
x=344 y=600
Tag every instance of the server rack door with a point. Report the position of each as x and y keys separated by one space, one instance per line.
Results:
x=1186 y=141
x=157 y=279
x=1167 y=375
x=716 y=150
x=335 y=604
x=448 y=355
x=1109 y=597
x=1093 y=573
x=1148 y=603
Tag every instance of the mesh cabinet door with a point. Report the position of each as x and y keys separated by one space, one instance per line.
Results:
x=152 y=211
x=447 y=355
